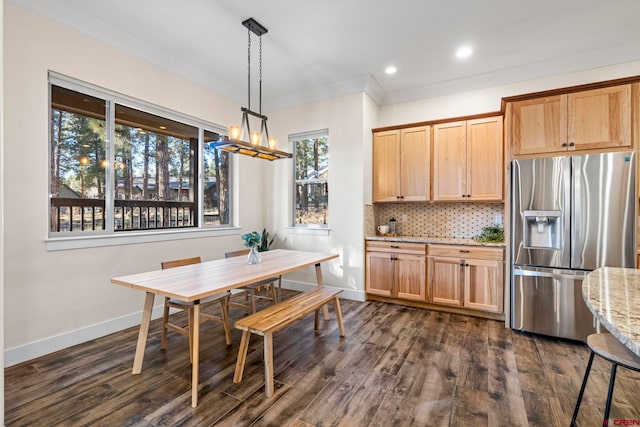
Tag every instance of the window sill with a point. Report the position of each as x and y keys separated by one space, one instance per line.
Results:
x=311 y=231
x=96 y=241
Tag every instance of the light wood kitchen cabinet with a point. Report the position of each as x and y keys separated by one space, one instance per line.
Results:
x=466 y=276
x=401 y=165
x=396 y=270
x=591 y=119
x=468 y=160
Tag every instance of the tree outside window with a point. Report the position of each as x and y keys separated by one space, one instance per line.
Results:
x=311 y=153
x=153 y=183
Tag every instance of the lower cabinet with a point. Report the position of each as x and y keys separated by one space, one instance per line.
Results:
x=396 y=270
x=466 y=276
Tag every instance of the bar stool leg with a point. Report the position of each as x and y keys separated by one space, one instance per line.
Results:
x=584 y=385
x=607 y=407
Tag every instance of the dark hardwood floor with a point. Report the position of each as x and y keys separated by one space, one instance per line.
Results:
x=396 y=366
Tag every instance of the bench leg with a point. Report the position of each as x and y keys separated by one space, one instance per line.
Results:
x=242 y=356
x=336 y=304
x=317 y=320
x=268 y=365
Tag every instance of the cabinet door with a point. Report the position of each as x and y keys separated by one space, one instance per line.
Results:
x=415 y=150
x=483 y=285
x=600 y=118
x=380 y=274
x=485 y=161
x=386 y=166
x=445 y=280
x=539 y=125
x=411 y=276
x=449 y=161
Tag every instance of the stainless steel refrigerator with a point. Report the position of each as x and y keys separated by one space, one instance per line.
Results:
x=569 y=215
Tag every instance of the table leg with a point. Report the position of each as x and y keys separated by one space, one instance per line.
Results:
x=196 y=353
x=142 y=334
x=325 y=308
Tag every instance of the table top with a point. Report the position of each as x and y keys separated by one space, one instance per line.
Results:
x=198 y=281
x=613 y=295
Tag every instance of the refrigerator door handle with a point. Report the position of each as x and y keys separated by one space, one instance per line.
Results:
x=522 y=272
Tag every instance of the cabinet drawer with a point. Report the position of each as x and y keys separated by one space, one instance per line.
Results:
x=475 y=252
x=397 y=247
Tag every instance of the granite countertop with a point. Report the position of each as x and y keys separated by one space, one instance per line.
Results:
x=437 y=240
x=613 y=295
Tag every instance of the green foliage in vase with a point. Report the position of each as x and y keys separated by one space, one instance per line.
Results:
x=260 y=241
x=265 y=243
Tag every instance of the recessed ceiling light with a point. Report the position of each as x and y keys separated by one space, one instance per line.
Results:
x=390 y=69
x=464 y=52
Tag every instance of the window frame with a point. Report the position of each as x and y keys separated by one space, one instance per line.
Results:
x=317 y=229
x=107 y=237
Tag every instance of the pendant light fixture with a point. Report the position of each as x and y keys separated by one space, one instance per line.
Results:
x=260 y=144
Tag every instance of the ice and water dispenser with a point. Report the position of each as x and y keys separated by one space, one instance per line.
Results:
x=543 y=229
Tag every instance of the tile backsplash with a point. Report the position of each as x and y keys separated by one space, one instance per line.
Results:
x=449 y=220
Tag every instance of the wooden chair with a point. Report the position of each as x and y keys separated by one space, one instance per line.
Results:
x=609 y=348
x=250 y=290
x=222 y=298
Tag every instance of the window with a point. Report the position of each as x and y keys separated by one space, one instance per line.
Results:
x=311 y=153
x=153 y=183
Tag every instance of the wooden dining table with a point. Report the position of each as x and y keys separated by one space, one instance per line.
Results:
x=192 y=283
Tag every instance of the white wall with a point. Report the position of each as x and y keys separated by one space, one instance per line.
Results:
x=1 y=217
x=56 y=298
x=344 y=118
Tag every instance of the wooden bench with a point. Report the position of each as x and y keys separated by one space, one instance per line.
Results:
x=277 y=317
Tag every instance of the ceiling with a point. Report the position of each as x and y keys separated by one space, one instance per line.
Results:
x=332 y=47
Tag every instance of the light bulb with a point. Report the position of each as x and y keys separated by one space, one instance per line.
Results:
x=273 y=143
x=255 y=138
x=234 y=132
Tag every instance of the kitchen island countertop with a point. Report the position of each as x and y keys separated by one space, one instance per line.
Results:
x=434 y=240
x=613 y=295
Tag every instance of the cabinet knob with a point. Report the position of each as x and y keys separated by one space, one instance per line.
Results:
x=395 y=246
x=465 y=251
x=571 y=144
x=564 y=144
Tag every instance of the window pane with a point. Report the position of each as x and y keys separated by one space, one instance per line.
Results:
x=311 y=175
x=154 y=166
x=216 y=182
x=77 y=161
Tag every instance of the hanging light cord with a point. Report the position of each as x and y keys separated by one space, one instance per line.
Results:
x=249 y=68
x=260 y=106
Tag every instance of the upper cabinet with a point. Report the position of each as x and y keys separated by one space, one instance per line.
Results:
x=591 y=119
x=401 y=161
x=468 y=160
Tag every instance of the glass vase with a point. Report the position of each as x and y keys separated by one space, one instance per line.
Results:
x=254 y=256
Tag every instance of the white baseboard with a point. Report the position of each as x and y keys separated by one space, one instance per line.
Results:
x=22 y=353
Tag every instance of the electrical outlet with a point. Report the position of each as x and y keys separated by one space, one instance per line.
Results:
x=404 y=218
x=498 y=219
